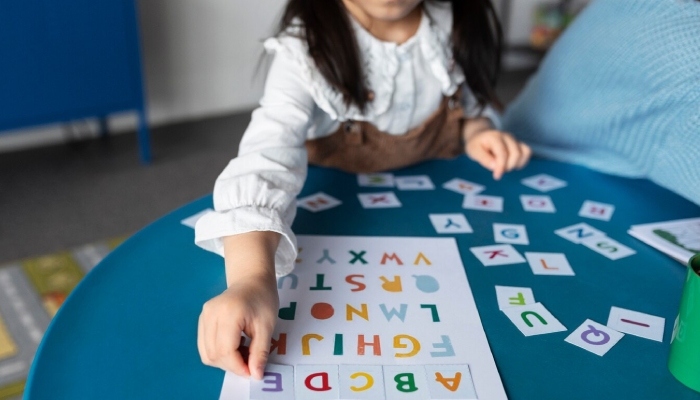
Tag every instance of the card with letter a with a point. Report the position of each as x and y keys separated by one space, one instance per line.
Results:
x=375 y=318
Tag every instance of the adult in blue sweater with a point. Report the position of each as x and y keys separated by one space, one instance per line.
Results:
x=619 y=92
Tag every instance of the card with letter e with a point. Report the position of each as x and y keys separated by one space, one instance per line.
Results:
x=277 y=383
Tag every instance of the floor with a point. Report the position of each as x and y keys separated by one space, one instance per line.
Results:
x=59 y=197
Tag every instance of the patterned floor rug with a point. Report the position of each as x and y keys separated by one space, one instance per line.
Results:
x=31 y=291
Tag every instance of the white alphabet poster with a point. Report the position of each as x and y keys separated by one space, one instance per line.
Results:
x=396 y=315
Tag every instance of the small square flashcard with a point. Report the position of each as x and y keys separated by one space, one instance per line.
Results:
x=483 y=203
x=579 y=232
x=450 y=223
x=537 y=203
x=191 y=221
x=543 y=182
x=277 y=383
x=318 y=202
x=361 y=382
x=513 y=296
x=405 y=382
x=533 y=319
x=462 y=186
x=379 y=200
x=510 y=233
x=549 y=264
x=594 y=337
x=450 y=382
x=316 y=382
x=376 y=180
x=500 y=254
x=608 y=247
x=595 y=210
x=417 y=182
x=636 y=323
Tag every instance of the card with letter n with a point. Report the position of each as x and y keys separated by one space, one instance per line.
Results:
x=375 y=318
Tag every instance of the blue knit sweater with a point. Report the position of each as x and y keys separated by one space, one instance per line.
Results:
x=619 y=92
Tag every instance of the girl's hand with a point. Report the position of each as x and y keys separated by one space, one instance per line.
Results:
x=249 y=306
x=497 y=151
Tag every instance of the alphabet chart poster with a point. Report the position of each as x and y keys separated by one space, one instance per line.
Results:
x=375 y=317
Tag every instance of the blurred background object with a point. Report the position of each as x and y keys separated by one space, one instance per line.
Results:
x=549 y=22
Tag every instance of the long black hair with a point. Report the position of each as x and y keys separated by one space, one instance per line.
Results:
x=325 y=27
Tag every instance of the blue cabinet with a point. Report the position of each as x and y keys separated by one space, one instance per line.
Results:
x=70 y=59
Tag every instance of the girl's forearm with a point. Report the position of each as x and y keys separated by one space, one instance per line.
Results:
x=250 y=254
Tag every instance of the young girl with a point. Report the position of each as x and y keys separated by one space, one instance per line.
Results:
x=360 y=85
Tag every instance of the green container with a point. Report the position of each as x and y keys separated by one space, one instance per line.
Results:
x=684 y=358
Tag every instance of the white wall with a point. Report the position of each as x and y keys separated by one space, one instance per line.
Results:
x=201 y=56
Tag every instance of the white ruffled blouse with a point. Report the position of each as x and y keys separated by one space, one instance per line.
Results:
x=257 y=190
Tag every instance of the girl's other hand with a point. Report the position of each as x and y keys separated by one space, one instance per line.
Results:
x=497 y=151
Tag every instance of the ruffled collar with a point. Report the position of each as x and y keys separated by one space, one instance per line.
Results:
x=381 y=61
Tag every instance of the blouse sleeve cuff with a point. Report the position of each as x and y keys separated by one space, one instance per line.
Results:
x=212 y=227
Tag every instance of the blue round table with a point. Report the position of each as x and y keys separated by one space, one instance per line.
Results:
x=129 y=329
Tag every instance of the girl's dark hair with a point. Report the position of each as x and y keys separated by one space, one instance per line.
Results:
x=325 y=26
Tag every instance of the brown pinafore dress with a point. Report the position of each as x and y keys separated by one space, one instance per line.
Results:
x=359 y=147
